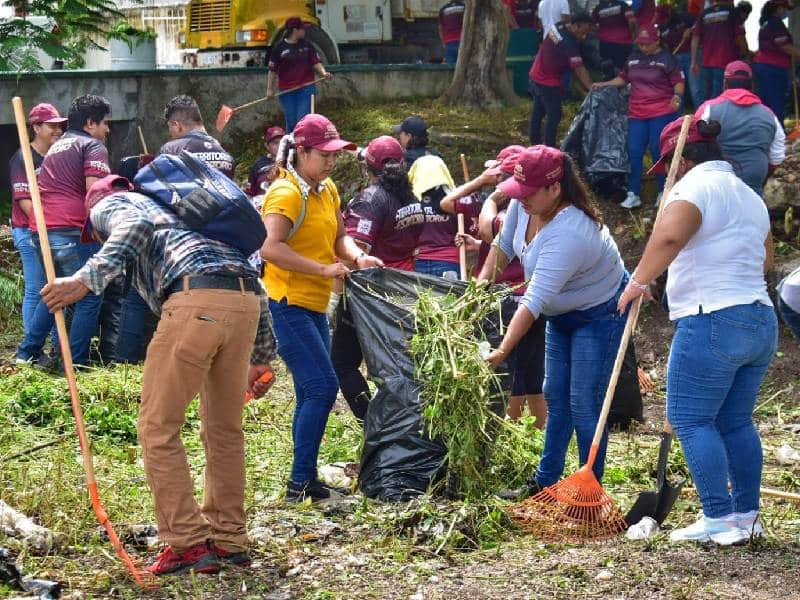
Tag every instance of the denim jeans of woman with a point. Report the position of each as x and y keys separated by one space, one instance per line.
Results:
x=32 y=273
x=773 y=85
x=304 y=345
x=644 y=133
x=712 y=80
x=716 y=365
x=580 y=348
x=436 y=267
x=296 y=105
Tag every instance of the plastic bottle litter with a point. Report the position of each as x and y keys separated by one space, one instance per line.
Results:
x=485 y=348
x=642 y=530
x=786 y=455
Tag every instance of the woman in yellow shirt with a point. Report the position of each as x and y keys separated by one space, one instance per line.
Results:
x=305 y=235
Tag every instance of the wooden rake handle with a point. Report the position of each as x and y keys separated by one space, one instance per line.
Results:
x=278 y=95
x=462 y=249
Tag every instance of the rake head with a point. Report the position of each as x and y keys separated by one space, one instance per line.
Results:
x=794 y=134
x=223 y=116
x=575 y=509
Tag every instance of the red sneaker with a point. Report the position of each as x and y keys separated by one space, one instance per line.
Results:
x=240 y=559
x=198 y=558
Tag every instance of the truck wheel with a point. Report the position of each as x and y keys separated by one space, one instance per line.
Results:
x=327 y=48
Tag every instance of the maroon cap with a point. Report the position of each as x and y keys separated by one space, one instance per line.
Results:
x=537 y=167
x=738 y=69
x=296 y=23
x=45 y=113
x=507 y=166
x=647 y=35
x=669 y=140
x=382 y=149
x=503 y=154
x=270 y=133
x=101 y=188
x=316 y=131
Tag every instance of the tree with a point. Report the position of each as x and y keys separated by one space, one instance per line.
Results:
x=481 y=77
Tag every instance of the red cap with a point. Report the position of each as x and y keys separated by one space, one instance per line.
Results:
x=647 y=35
x=101 y=188
x=270 y=133
x=45 y=113
x=537 y=167
x=503 y=154
x=316 y=131
x=296 y=23
x=669 y=140
x=738 y=69
x=382 y=149
x=507 y=166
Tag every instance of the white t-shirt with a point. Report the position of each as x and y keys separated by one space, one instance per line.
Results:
x=723 y=263
x=550 y=12
x=789 y=290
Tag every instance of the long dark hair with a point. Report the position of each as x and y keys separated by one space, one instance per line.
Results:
x=768 y=11
x=393 y=178
x=575 y=190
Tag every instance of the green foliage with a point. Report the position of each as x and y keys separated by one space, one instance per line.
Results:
x=132 y=36
x=11 y=292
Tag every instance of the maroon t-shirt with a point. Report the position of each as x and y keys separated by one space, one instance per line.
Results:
x=771 y=37
x=294 y=63
x=19 y=185
x=437 y=240
x=646 y=15
x=558 y=54
x=612 y=18
x=62 y=178
x=259 y=173
x=653 y=78
x=392 y=229
x=451 y=20
x=673 y=26
x=205 y=148
x=717 y=28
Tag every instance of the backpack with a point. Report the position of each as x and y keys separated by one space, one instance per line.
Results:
x=206 y=200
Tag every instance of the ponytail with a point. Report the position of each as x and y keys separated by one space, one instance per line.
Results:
x=575 y=191
x=394 y=180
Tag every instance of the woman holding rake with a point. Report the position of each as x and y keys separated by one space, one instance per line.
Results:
x=714 y=238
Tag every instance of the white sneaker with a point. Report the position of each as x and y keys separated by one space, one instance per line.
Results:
x=750 y=522
x=722 y=531
x=631 y=201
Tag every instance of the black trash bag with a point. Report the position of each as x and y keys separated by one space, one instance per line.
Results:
x=398 y=461
x=626 y=406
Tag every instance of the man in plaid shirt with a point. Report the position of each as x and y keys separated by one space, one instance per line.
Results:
x=214 y=315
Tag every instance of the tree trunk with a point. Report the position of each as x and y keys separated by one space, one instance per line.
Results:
x=481 y=78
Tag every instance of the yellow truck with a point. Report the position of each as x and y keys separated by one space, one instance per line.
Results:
x=239 y=33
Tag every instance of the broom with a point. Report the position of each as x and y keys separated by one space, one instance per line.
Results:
x=578 y=508
x=143 y=577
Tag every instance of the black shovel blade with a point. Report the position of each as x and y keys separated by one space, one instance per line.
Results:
x=646 y=505
x=667 y=496
x=657 y=503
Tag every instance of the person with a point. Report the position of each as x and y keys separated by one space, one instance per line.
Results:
x=214 y=321
x=773 y=61
x=47 y=126
x=525 y=14
x=412 y=133
x=714 y=239
x=72 y=164
x=615 y=25
x=299 y=272
x=743 y=10
x=559 y=54
x=553 y=12
x=789 y=301
x=645 y=13
x=657 y=86
x=187 y=132
x=676 y=26
x=386 y=221
x=261 y=169
x=451 y=22
x=293 y=63
x=752 y=138
x=720 y=33
x=576 y=277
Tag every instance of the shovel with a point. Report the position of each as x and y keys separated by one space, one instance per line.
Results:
x=659 y=502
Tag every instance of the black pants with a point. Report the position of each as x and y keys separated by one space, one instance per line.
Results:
x=616 y=53
x=546 y=102
x=346 y=357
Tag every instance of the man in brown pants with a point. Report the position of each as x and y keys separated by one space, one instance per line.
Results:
x=214 y=318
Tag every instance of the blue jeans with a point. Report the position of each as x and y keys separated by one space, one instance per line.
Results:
x=304 y=344
x=436 y=267
x=451 y=52
x=641 y=134
x=716 y=365
x=696 y=81
x=712 y=79
x=132 y=328
x=32 y=273
x=685 y=61
x=790 y=317
x=773 y=87
x=69 y=255
x=580 y=348
x=296 y=105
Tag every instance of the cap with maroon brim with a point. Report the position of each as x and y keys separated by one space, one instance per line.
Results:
x=101 y=188
x=507 y=166
x=316 y=131
x=45 y=113
x=502 y=155
x=537 y=167
x=669 y=141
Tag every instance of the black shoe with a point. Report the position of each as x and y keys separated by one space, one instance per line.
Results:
x=531 y=488
x=316 y=490
x=239 y=559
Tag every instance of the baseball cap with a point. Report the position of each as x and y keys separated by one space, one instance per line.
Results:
x=381 y=149
x=413 y=125
x=738 y=69
x=507 y=166
x=316 y=131
x=296 y=23
x=647 y=35
x=99 y=190
x=503 y=154
x=537 y=167
x=45 y=113
x=669 y=140
x=270 y=133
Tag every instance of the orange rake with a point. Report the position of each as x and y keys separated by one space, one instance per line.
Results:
x=143 y=577
x=795 y=133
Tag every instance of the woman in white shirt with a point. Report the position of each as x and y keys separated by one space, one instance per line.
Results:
x=714 y=235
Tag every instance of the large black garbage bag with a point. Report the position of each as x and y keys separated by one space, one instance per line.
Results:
x=398 y=462
x=626 y=406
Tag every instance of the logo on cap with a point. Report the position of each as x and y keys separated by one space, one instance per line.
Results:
x=519 y=173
